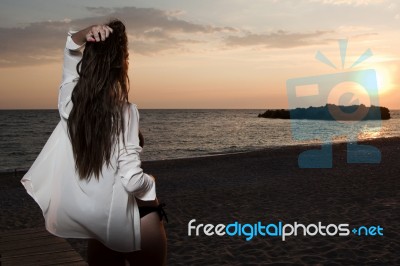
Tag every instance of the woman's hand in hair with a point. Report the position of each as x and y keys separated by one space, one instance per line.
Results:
x=95 y=33
x=98 y=33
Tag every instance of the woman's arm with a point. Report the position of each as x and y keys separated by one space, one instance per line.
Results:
x=72 y=56
x=132 y=176
x=141 y=139
x=74 y=45
x=94 y=33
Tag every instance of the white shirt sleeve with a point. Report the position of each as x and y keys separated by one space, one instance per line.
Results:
x=72 y=56
x=132 y=176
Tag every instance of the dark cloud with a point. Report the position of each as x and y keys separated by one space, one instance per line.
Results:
x=278 y=39
x=150 y=30
x=153 y=30
x=36 y=43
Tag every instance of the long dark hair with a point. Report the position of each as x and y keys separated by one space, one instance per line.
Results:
x=96 y=119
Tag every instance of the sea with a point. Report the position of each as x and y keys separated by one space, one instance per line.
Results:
x=171 y=134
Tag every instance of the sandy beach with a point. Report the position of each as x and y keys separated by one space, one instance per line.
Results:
x=266 y=186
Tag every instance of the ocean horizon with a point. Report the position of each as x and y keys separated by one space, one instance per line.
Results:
x=181 y=133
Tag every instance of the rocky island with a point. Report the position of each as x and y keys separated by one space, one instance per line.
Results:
x=331 y=112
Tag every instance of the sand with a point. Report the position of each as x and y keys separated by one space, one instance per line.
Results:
x=266 y=186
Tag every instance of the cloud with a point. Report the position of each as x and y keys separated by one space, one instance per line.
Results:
x=37 y=43
x=350 y=2
x=151 y=31
x=278 y=39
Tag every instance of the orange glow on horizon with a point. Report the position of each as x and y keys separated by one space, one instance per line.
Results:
x=183 y=81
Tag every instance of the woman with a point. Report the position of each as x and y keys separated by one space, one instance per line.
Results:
x=88 y=179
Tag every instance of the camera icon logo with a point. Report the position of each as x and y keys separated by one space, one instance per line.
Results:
x=340 y=104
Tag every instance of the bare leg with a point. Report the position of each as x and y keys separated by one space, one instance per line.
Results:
x=153 y=247
x=154 y=243
x=98 y=254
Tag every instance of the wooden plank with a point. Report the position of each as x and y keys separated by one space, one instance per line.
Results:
x=42 y=252
x=45 y=262
x=36 y=249
x=23 y=231
x=12 y=241
x=4 y=247
x=75 y=263
x=44 y=259
x=31 y=235
x=36 y=246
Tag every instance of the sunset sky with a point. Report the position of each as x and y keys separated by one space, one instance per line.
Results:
x=202 y=54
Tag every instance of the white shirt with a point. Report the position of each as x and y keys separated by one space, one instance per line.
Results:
x=103 y=209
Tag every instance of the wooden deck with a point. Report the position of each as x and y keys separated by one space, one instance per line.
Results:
x=36 y=246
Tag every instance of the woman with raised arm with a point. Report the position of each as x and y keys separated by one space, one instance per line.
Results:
x=88 y=178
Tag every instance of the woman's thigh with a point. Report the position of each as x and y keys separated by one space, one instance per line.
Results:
x=98 y=254
x=153 y=242
x=153 y=246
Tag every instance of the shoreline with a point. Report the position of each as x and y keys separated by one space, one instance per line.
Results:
x=267 y=186
x=18 y=171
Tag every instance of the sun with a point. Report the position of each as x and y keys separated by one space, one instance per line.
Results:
x=384 y=77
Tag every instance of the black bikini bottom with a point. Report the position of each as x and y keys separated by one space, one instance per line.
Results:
x=159 y=209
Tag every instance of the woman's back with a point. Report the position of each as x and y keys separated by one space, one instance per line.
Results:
x=94 y=206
